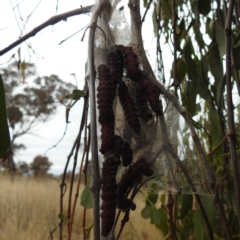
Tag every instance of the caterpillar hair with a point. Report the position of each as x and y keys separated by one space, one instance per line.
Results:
x=129 y=107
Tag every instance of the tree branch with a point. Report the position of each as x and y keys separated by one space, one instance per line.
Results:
x=51 y=21
x=96 y=184
x=230 y=111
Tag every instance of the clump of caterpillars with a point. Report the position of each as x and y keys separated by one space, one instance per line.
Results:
x=116 y=150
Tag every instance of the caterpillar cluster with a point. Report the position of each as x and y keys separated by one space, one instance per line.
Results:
x=128 y=179
x=146 y=92
x=113 y=147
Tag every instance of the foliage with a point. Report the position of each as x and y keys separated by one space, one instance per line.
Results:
x=196 y=30
x=30 y=99
x=40 y=166
x=5 y=136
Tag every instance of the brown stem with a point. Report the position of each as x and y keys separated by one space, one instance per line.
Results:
x=230 y=111
x=174 y=23
x=145 y=14
x=170 y=214
x=51 y=21
x=83 y=123
x=63 y=186
x=136 y=23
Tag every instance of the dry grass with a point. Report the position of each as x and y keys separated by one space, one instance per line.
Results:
x=30 y=208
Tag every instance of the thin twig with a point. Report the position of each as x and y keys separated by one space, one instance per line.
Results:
x=145 y=13
x=230 y=110
x=51 y=21
x=83 y=123
x=62 y=185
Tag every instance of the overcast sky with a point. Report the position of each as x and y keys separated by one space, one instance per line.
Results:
x=52 y=58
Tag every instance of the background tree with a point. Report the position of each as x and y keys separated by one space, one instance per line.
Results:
x=30 y=100
x=40 y=166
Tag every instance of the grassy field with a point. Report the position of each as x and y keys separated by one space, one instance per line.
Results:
x=30 y=208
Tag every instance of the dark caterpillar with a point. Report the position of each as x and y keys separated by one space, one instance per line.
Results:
x=115 y=63
x=153 y=98
x=107 y=136
x=129 y=107
x=109 y=193
x=131 y=62
x=123 y=149
x=106 y=94
x=127 y=180
x=142 y=100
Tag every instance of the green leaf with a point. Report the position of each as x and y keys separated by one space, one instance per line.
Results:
x=204 y=7
x=198 y=226
x=208 y=204
x=76 y=94
x=209 y=27
x=190 y=63
x=164 y=221
x=62 y=217
x=155 y=217
x=236 y=55
x=189 y=100
x=181 y=70
x=233 y=222
x=147 y=211
x=220 y=37
x=5 y=141
x=145 y=3
x=167 y=8
x=154 y=19
x=187 y=202
x=216 y=133
x=86 y=198
x=203 y=79
x=216 y=67
x=152 y=196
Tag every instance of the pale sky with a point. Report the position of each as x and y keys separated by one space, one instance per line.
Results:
x=62 y=60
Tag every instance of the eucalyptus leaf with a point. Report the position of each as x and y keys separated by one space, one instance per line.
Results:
x=86 y=198
x=198 y=225
x=163 y=221
x=220 y=37
x=204 y=7
x=187 y=202
x=5 y=141
x=76 y=94
x=167 y=8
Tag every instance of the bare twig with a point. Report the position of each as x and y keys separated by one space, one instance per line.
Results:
x=51 y=21
x=148 y=6
x=62 y=185
x=134 y=6
x=83 y=123
x=230 y=111
x=170 y=204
